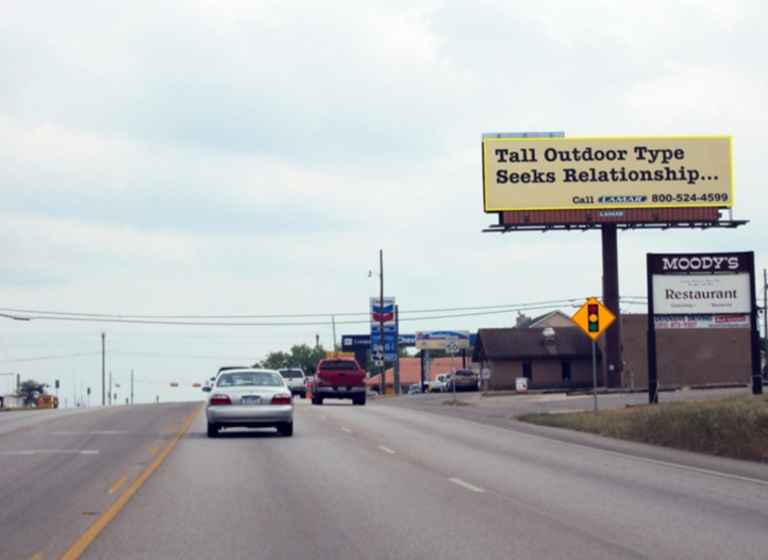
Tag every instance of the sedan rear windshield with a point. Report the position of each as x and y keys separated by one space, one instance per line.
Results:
x=291 y=373
x=338 y=364
x=249 y=379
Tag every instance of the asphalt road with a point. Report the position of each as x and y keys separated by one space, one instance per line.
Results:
x=61 y=470
x=388 y=480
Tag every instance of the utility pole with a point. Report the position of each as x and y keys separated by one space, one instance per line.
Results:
x=103 y=386
x=396 y=380
x=109 y=400
x=333 y=323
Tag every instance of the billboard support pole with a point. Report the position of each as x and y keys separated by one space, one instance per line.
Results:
x=757 y=375
x=613 y=363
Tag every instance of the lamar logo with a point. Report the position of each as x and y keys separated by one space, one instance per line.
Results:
x=700 y=263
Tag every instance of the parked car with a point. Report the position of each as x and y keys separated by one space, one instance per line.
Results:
x=339 y=378
x=465 y=379
x=440 y=384
x=414 y=389
x=296 y=381
x=249 y=398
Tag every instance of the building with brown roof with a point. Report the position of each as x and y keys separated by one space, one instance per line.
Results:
x=549 y=358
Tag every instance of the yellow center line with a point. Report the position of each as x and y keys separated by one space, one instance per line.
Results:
x=117 y=485
x=155 y=449
x=90 y=535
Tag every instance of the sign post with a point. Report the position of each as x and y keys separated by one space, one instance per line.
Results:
x=452 y=347
x=593 y=318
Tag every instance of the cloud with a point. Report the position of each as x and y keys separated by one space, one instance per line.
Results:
x=699 y=96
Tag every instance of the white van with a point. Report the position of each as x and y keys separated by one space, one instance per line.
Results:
x=296 y=381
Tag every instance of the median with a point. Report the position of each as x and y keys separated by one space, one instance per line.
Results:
x=733 y=427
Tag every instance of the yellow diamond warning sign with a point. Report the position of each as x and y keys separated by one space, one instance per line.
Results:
x=593 y=318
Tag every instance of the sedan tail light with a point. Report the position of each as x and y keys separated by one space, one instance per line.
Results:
x=281 y=399
x=217 y=400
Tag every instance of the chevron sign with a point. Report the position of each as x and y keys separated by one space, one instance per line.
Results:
x=385 y=312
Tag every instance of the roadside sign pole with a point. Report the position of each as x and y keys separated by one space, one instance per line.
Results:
x=594 y=373
x=593 y=318
x=453 y=378
x=452 y=346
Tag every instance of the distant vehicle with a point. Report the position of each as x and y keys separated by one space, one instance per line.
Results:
x=47 y=401
x=339 y=378
x=414 y=389
x=227 y=368
x=371 y=393
x=440 y=384
x=296 y=381
x=465 y=379
x=249 y=398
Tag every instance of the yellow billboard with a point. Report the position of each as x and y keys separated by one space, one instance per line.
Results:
x=585 y=173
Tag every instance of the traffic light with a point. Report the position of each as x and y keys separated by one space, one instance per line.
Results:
x=57 y=384
x=593 y=324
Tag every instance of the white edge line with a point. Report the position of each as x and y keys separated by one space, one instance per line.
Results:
x=347 y=430
x=466 y=485
x=52 y=452
x=622 y=455
x=387 y=449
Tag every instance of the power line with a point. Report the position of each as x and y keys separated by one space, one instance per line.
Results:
x=247 y=320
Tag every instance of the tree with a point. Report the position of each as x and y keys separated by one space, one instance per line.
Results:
x=301 y=356
x=28 y=390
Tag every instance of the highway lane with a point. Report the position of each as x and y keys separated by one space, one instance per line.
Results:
x=60 y=470
x=383 y=481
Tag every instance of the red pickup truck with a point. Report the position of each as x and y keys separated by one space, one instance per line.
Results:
x=338 y=378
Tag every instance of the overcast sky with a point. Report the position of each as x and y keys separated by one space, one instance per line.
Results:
x=250 y=158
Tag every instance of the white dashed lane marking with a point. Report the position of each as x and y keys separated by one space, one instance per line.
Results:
x=466 y=485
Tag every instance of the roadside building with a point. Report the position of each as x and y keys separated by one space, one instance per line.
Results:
x=686 y=357
x=553 y=354
x=550 y=358
x=410 y=373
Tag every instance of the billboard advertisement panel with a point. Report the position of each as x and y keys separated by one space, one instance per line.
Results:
x=700 y=283
x=435 y=340
x=600 y=173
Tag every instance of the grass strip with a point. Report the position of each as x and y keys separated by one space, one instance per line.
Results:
x=734 y=427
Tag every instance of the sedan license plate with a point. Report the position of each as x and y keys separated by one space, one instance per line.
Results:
x=251 y=399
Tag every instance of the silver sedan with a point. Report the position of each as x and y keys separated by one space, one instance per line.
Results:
x=249 y=398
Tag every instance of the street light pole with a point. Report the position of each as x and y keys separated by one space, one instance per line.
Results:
x=103 y=379
x=383 y=366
